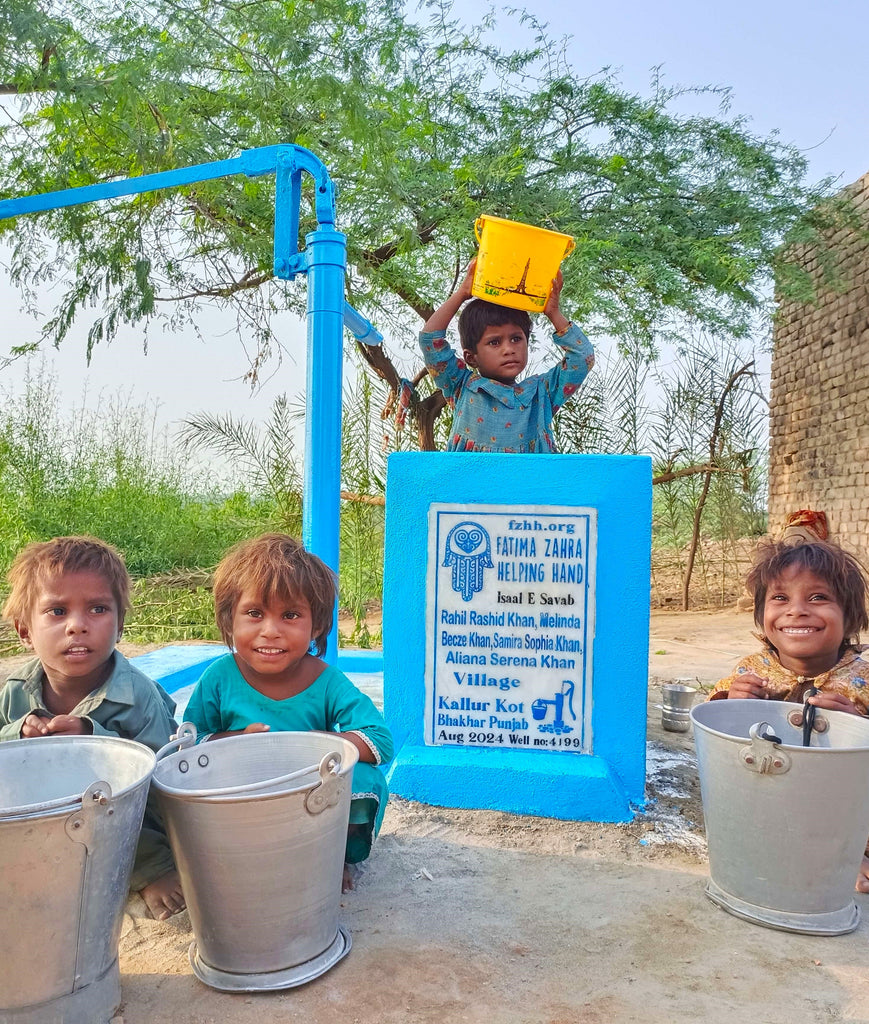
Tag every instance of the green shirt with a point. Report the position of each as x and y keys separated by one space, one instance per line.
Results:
x=128 y=704
x=223 y=701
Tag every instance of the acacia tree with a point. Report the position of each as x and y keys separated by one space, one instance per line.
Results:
x=423 y=123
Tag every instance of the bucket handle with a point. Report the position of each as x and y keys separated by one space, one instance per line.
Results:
x=764 y=754
x=252 y=787
x=185 y=737
x=328 y=793
x=34 y=810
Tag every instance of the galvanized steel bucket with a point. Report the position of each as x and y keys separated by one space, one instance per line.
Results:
x=786 y=824
x=71 y=809
x=258 y=826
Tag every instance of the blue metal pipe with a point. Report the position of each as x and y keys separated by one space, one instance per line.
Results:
x=327 y=259
x=324 y=261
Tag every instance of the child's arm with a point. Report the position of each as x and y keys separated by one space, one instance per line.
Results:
x=747 y=686
x=444 y=367
x=354 y=715
x=58 y=725
x=564 y=378
x=253 y=727
x=743 y=683
x=440 y=320
x=147 y=719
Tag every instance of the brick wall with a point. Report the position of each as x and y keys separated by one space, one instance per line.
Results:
x=819 y=401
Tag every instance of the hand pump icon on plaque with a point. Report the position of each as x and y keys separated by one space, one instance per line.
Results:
x=539 y=709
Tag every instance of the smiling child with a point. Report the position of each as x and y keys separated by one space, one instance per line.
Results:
x=274 y=603
x=810 y=603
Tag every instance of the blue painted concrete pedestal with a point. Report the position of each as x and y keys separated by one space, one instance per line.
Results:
x=600 y=784
x=574 y=787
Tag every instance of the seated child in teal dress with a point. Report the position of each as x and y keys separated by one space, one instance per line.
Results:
x=67 y=601
x=274 y=602
x=494 y=411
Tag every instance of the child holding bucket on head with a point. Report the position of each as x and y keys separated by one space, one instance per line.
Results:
x=67 y=603
x=493 y=411
x=810 y=603
x=274 y=602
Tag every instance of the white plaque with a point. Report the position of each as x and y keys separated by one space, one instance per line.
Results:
x=509 y=626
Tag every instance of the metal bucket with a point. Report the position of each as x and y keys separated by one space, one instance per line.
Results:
x=786 y=824
x=71 y=809
x=258 y=826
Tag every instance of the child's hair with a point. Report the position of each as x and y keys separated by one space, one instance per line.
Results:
x=275 y=566
x=45 y=560
x=479 y=314
x=840 y=571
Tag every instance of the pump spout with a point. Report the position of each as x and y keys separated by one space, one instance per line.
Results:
x=361 y=329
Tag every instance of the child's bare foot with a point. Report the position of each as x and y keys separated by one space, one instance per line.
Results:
x=350 y=873
x=164 y=897
x=863 y=876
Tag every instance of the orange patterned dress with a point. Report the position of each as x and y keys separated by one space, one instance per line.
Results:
x=849 y=677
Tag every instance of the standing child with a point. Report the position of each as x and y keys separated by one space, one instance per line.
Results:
x=810 y=603
x=274 y=602
x=68 y=600
x=491 y=411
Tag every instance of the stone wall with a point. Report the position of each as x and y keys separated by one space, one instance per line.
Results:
x=819 y=401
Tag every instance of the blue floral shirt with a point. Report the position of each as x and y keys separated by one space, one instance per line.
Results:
x=492 y=417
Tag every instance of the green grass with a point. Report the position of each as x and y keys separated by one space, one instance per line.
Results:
x=107 y=473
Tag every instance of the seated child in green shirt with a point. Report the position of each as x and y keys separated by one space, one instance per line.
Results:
x=274 y=602
x=68 y=600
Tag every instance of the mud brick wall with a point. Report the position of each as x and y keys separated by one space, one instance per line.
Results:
x=819 y=400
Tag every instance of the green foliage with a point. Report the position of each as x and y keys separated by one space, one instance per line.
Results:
x=423 y=123
x=363 y=468
x=705 y=410
x=166 y=610
x=106 y=472
x=267 y=461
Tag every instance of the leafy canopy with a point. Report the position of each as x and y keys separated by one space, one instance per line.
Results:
x=423 y=123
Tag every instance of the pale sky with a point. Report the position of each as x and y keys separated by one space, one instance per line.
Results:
x=791 y=67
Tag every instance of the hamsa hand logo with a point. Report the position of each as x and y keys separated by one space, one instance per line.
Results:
x=468 y=551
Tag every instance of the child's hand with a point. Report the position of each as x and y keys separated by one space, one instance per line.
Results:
x=463 y=292
x=256 y=727
x=69 y=725
x=60 y=725
x=749 y=687
x=33 y=726
x=552 y=309
x=835 y=702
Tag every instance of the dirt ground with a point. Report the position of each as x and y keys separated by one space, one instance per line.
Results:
x=480 y=916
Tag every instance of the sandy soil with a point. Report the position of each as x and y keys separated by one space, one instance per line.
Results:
x=477 y=916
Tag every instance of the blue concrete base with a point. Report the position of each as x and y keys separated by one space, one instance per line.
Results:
x=578 y=787
x=181 y=665
x=178 y=665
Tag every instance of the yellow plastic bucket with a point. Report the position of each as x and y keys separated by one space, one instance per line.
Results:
x=517 y=262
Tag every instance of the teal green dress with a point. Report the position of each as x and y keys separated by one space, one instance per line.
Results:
x=224 y=701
